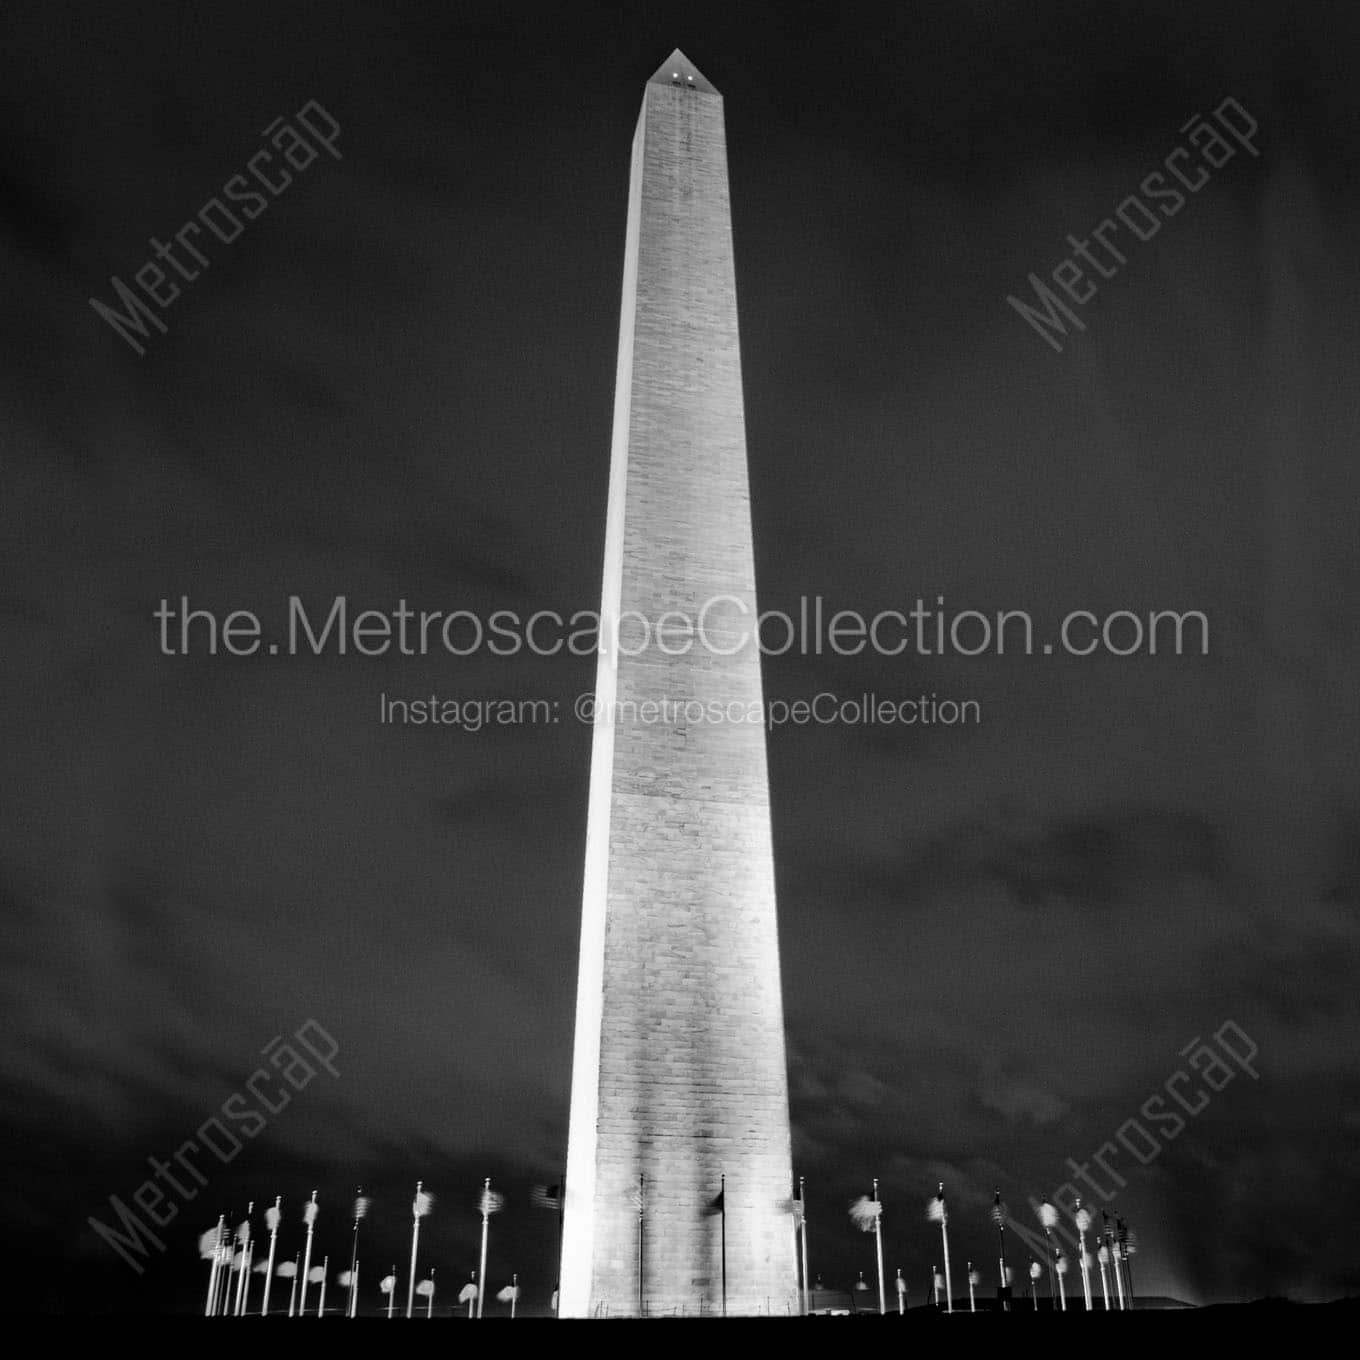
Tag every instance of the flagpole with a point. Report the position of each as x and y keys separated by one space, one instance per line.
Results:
x=901 y=1288
x=561 y=1214
x=999 y=1218
x=722 y=1214
x=1128 y=1258
x=213 y=1269
x=354 y=1290
x=1102 y=1257
x=292 y=1293
x=486 y=1223
x=802 y=1199
x=392 y=1293
x=1082 y=1218
x=321 y=1303
x=642 y=1200
x=1114 y=1258
x=878 y=1247
x=429 y=1311
x=309 y=1215
x=244 y=1301
x=271 y=1218
x=944 y=1241
x=360 y=1208
x=415 y=1243
x=972 y=1282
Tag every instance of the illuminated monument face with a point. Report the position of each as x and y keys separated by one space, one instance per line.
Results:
x=679 y=1071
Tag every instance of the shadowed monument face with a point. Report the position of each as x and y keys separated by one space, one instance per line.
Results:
x=679 y=1071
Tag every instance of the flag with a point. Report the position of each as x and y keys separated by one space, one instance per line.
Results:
x=468 y=1293
x=491 y=1202
x=208 y=1244
x=509 y=1294
x=717 y=1204
x=998 y=1212
x=865 y=1212
x=425 y=1288
x=316 y=1275
x=546 y=1197
x=286 y=1270
x=1048 y=1216
x=387 y=1284
x=361 y=1208
x=935 y=1210
x=344 y=1279
x=272 y=1217
x=421 y=1205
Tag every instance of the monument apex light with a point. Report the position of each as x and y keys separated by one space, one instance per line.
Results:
x=679 y=1075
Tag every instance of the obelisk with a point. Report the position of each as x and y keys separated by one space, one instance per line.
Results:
x=679 y=1082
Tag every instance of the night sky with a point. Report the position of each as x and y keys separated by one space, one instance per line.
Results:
x=398 y=384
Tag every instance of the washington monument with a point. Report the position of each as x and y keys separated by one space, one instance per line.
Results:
x=679 y=1084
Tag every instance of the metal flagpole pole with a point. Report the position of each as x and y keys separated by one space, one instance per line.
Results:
x=1126 y=1250
x=803 y=1200
x=429 y=1307
x=244 y=1302
x=999 y=1218
x=392 y=1293
x=944 y=1239
x=418 y=1208
x=878 y=1246
x=722 y=1213
x=642 y=1191
x=309 y=1217
x=354 y=1291
x=325 y=1271
x=901 y=1287
x=1103 y=1257
x=1082 y=1218
x=972 y=1284
x=486 y=1223
x=213 y=1269
x=271 y=1218
x=292 y=1293
x=514 y=1295
x=243 y=1237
